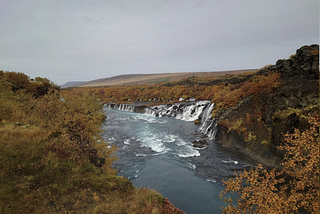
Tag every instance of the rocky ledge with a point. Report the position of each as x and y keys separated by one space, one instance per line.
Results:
x=279 y=111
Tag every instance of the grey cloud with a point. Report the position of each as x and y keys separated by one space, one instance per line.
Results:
x=84 y=40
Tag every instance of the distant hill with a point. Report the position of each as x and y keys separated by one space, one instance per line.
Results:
x=135 y=79
x=72 y=84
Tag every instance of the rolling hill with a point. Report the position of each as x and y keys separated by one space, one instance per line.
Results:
x=72 y=84
x=135 y=79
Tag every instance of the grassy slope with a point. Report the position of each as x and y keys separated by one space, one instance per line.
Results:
x=35 y=180
x=46 y=146
x=133 y=79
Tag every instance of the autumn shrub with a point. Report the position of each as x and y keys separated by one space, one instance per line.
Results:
x=230 y=95
x=234 y=125
x=292 y=189
x=54 y=160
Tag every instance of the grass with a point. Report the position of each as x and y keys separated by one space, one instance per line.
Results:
x=36 y=180
x=160 y=80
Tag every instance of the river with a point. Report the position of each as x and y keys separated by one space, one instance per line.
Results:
x=156 y=152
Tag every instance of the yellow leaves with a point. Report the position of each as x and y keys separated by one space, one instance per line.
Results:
x=295 y=187
x=74 y=121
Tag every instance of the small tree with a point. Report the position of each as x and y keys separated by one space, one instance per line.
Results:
x=293 y=189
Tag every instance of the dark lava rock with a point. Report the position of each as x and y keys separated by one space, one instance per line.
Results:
x=200 y=143
x=297 y=92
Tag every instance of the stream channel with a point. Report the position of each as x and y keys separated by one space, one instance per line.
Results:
x=156 y=152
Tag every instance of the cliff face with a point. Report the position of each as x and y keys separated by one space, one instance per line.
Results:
x=280 y=112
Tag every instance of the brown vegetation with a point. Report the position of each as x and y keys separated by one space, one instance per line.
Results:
x=53 y=158
x=138 y=79
x=293 y=189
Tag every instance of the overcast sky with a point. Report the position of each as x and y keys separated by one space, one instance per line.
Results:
x=80 y=40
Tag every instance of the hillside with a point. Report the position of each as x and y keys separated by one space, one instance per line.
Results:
x=53 y=158
x=72 y=84
x=136 y=79
x=253 y=109
x=255 y=125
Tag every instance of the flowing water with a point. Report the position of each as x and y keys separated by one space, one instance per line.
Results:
x=157 y=152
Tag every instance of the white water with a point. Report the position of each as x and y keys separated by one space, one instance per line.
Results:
x=123 y=107
x=201 y=110
x=209 y=124
x=157 y=152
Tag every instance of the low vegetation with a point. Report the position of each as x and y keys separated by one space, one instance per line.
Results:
x=54 y=159
x=220 y=90
x=222 y=93
x=258 y=107
x=293 y=189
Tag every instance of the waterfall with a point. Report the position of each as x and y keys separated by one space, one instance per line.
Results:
x=189 y=111
x=209 y=124
x=183 y=111
x=126 y=107
x=201 y=110
x=193 y=112
x=123 y=107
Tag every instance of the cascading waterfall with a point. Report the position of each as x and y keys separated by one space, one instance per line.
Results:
x=209 y=124
x=201 y=110
x=182 y=111
x=123 y=107
x=190 y=111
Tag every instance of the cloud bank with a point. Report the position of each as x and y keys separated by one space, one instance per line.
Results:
x=84 y=40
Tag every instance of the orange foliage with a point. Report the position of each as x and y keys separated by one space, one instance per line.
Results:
x=74 y=121
x=293 y=189
x=229 y=95
x=223 y=95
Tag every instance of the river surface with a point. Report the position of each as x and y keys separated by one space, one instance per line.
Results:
x=157 y=153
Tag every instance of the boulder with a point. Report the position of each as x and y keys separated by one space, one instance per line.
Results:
x=200 y=143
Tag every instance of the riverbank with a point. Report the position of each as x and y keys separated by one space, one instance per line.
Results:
x=252 y=110
x=54 y=159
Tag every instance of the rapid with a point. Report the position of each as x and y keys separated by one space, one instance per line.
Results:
x=155 y=150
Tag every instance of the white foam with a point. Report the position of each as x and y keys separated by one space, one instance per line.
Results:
x=163 y=152
x=169 y=138
x=156 y=147
x=192 y=166
x=230 y=161
x=126 y=141
x=189 y=153
x=148 y=119
x=211 y=180
x=141 y=155
x=181 y=142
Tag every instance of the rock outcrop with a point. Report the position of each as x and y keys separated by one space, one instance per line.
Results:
x=297 y=94
x=199 y=143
